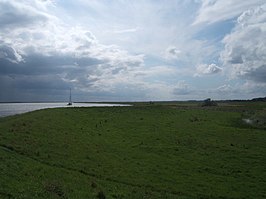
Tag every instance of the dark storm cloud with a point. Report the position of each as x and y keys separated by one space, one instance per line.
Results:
x=33 y=88
x=41 y=73
x=36 y=64
x=34 y=82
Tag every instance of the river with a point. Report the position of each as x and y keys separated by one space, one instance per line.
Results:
x=7 y=109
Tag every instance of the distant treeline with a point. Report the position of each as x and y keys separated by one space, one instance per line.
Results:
x=259 y=99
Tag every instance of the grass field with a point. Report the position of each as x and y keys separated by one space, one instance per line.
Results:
x=160 y=150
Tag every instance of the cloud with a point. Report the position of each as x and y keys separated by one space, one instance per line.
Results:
x=213 y=11
x=225 y=88
x=182 y=88
x=205 y=69
x=173 y=52
x=252 y=88
x=9 y=53
x=243 y=90
x=130 y=30
x=142 y=51
x=20 y=14
x=244 y=54
x=148 y=23
x=51 y=55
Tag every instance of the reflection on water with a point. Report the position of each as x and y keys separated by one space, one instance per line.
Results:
x=7 y=109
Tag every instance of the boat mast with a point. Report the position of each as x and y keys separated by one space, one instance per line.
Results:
x=70 y=101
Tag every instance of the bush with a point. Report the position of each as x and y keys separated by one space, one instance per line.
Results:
x=209 y=102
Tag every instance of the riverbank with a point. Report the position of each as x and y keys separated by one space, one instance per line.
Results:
x=144 y=151
x=7 y=109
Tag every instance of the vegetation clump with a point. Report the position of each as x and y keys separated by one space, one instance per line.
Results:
x=209 y=102
x=255 y=119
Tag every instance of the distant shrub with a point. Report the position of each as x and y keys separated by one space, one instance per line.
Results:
x=209 y=102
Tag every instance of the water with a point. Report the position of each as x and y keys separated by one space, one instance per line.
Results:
x=248 y=121
x=7 y=109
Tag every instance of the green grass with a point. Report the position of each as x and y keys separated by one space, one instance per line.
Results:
x=155 y=151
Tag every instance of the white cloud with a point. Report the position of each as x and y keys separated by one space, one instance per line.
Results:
x=212 y=11
x=9 y=53
x=225 y=88
x=205 y=69
x=245 y=48
x=130 y=30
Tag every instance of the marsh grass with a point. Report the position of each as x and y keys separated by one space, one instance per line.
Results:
x=145 y=151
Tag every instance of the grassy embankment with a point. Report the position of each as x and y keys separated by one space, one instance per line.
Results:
x=157 y=151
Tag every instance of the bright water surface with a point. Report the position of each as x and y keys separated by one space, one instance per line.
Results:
x=7 y=109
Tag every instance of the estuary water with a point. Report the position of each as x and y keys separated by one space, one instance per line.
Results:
x=7 y=109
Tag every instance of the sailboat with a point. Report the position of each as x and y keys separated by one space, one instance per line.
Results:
x=70 y=101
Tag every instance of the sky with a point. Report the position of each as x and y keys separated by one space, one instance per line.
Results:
x=124 y=50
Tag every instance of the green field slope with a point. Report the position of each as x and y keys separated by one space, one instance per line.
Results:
x=132 y=152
